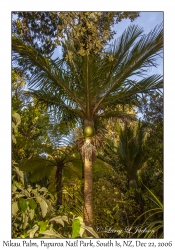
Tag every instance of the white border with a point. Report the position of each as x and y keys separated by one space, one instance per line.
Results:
x=5 y=93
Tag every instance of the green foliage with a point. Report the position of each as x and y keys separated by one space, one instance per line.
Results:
x=151 y=227
x=48 y=166
x=37 y=28
x=22 y=204
x=16 y=120
x=32 y=204
x=128 y=153
x=38 y=166
x=34 y=216
x=131 y=150
x=76 y=228
x=46 y=30
x=73 y=198
x=28 y=205
x=152 y=175
x=43 y=225
x=80 y=229
x=60 y=219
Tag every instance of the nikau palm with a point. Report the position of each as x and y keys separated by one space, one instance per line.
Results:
x=131 y=152
x=90 y=87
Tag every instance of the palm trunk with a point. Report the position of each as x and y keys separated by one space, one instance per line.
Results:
x=88 y=193
x=88 y=155
x=59 y=185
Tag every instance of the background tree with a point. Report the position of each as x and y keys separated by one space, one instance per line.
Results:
x=46 y=30
x=55 y=166
x=33 y=122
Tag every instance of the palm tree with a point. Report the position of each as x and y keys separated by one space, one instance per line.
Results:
x=130 y=153
x=89 y=87
x=56 y=166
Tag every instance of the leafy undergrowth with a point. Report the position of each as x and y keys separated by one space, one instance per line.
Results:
x=34 y=215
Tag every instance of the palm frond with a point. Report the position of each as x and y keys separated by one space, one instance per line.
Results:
x=56 y=101
x=44 y=70
x=117 y=114
x=153 y=228
x=138 y=58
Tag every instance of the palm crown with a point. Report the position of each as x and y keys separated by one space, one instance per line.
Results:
x=91 y=86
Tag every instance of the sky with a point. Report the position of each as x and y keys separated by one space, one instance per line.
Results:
x=147 y=21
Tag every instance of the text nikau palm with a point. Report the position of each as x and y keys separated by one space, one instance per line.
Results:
x=90 y=87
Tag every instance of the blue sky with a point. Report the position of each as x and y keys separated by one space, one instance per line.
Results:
x=147 y=20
